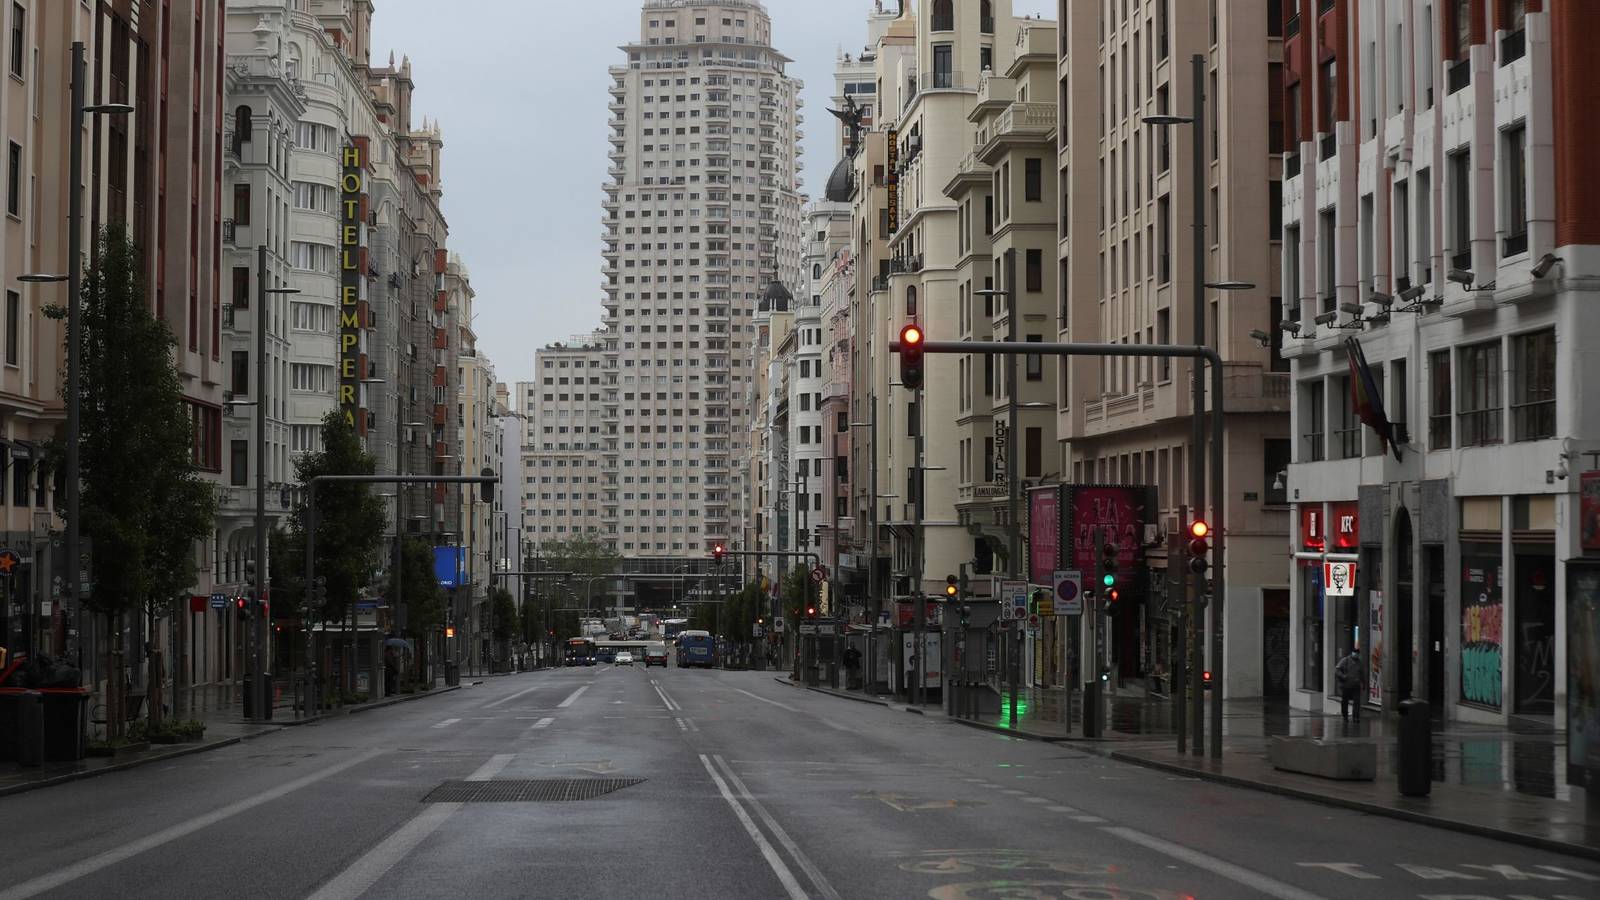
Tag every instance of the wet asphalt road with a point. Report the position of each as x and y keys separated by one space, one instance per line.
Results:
x=749 y=788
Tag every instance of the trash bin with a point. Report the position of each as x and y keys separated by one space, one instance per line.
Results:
x=248 y=689
x=452 y=674
x=66 y=725
x=30 y=728
x=1414 y=756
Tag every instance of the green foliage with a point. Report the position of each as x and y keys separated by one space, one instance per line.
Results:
x=426 y=602
x=504 y=609
x=286 y=575
x=350 y=516
x=144 y=502
x=583 y=556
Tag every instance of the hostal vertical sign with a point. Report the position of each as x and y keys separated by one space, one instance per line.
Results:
x=352 y=275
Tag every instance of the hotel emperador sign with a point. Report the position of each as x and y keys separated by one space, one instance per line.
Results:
x=352 y=280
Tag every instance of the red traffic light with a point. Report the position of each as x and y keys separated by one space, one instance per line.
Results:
x=240 y=603
x=911 y=335
x=1206 y=677
x=1199 y=529
x=1114 y=596
x=911 y=340
x=717 y=552
x=811 y=610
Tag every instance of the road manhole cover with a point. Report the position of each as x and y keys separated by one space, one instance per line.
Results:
x=532 y=790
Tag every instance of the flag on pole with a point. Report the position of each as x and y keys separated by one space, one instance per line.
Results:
x=1366 y=399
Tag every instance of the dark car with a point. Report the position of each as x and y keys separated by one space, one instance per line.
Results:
x=655 y=655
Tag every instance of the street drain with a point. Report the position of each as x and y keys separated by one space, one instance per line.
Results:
x=534 y=790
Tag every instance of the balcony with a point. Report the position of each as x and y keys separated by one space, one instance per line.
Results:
x=1458 y=76
x=905 y=265
x=1247 y=388
x=1025 y=120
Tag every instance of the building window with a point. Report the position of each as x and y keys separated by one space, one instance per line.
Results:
x=1348 y=432
x=19 y=41
x=240 y=383
x=1033 y=180
x=1458 y=39
x=1034 y=365
x=1275 y=459
x=843 y=423
x=13 y=328
x=1439 y=403
x=1278 y=362
x=1461 y=209
x=1513 y=21
x=1478 y=401
x=1164 y=222
x=1035 y=271
x=239 y=463
x=1515 y=173
x=241 y=204
x=911 y=300
x=943 y=75
x=1033 y=461
x=944 y=16
x=1533 y=406
x=1329 y=260
x=1313 y=419
x=14 y=179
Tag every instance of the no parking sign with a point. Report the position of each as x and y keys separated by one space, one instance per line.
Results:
x=1069 y=592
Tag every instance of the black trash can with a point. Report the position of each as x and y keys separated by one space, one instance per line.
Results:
x=1414 y=753
x=249 y=691
x=452 y=674
x=66 y=725
x=30 y=728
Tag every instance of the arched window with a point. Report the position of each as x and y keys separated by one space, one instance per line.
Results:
x=816 y=270
x=944 y=16
x=911 y=300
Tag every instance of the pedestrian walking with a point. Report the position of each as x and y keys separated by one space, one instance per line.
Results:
x=1347 y=678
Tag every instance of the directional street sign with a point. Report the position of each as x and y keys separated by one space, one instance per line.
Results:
x=1069 y=592
x=819 y=574
x=219 y=600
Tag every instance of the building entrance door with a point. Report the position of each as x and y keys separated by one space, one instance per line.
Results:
x=1535 y=676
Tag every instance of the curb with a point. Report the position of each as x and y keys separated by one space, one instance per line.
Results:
x=846 y=696
x=1376 y=809
x=202 y=747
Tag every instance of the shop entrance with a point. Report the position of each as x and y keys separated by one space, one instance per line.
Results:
x=1275 y=643
x=1433 y=566
x=1535 y=676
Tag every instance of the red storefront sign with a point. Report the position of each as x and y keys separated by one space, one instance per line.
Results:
x=1344 y=519
x=1311 y=528
x=1044 y=534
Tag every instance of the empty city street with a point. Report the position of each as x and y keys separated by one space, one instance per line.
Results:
x=712 y=783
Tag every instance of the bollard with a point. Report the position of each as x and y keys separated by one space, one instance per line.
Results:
x=1091 y=709
x=30 y=728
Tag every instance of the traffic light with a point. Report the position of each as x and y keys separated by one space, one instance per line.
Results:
x=319 y=592
x=449 y=631
x=1205 y=678
x=1112 y=606
x=952 y=587
x=911 y=338
x=982 y=556
x=242 y=606
x=811 y=611
x=1199 y=547
x=717 y=553
x=486 y=488
x=966 y=615
x=1108 y=564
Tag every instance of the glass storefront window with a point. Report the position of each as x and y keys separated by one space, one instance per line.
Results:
x=1312 y=601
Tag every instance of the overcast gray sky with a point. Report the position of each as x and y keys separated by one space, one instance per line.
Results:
x=519 y=87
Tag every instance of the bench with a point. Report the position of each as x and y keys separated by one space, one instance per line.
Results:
x=1339 y=760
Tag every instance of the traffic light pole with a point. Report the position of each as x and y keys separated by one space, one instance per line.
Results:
x=1218 y=532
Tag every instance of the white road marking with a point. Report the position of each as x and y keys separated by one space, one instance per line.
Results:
x=543 y=723
x=1088 y=820
x=834 y=725
x=572 y=698
x=670 y=703
x=1061 y=809
x=1034 y=800
x=447 y=723
x=774 y=861
x=818 y=880
x=492 y=768
x=1238 y=874
x=1351 y=869
x=1012 y=791
x=510 y=697
x=51 y=881
x=681 y=727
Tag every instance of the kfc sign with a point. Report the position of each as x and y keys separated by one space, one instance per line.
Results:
x=1342 y=520
x=1311 y=525
x=1345 y=519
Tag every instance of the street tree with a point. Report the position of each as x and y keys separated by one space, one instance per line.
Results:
x=144 y=503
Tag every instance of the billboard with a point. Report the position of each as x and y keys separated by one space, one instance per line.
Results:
x=448 y=566
x=1044 y=533
x=1092 y=514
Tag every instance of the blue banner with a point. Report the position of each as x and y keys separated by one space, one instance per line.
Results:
x=447 y=566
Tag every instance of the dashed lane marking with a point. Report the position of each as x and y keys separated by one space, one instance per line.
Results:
x=447 y=723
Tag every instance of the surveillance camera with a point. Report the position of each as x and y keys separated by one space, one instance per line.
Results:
x=1460 y=276
x=1261 y=337
x=1353 y=309
x=1381 y=299
x=1544 y=265
x=1327 y=318
x=1290 y=326
x=1411 y=294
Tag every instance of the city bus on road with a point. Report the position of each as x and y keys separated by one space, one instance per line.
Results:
x=697 y=648
x=580 y=652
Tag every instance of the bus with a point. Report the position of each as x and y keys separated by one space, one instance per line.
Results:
x=580 y=652
x=697 y=648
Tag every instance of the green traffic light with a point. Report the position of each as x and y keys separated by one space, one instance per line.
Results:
x=1108 y=579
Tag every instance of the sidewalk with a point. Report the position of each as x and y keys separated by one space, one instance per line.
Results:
x=215 y=705
x=1508 y=784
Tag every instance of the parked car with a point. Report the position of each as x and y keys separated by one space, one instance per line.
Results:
x=624 y=658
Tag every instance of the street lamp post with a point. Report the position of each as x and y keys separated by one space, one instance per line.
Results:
x=258 y=687
x=874 y=598
x=74 y=279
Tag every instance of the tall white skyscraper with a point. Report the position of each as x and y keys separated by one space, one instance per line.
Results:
x=701 y=215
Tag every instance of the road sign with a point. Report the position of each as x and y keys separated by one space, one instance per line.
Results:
x=777 y=624
x=1069 y=592
x=219 y=600
x=827 y=628
x=1014 y=597
x=808 y=628
x=819 y=574
x=9 y=562
x=1033 y=620
x=755 y=630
